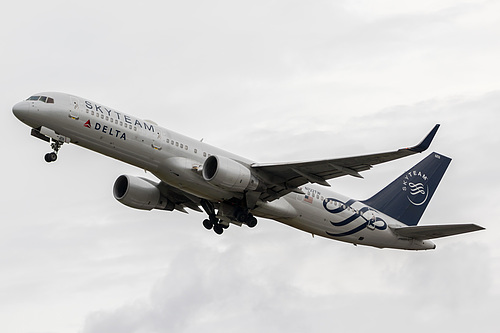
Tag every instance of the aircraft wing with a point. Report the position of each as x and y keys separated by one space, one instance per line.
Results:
x=283 y=178
x=180 y=198
x=435 y=231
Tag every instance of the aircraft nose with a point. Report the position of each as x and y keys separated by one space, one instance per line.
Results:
x=21 y=110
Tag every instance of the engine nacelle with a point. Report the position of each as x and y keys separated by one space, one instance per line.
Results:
x=139 y=193
x=228 y=174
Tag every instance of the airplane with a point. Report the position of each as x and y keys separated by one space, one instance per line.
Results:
x=234 y=190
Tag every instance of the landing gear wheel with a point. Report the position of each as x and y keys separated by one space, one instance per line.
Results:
x=208 y=224
x=50 y=157
x=251 y=222
x=218 y=229
x=241 y=216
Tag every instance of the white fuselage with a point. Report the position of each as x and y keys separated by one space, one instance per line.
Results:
x=177 y=160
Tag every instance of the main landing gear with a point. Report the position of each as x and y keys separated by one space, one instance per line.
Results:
x=243 y=216
x=240 y=215
x=212 y=221
x=51 y=157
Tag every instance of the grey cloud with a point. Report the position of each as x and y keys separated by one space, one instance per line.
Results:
x=207 y=289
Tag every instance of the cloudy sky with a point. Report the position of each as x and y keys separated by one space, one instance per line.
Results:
x=272 y=81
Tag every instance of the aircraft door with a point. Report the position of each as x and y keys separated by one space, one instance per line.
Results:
x=74 y=108
x=157 y=142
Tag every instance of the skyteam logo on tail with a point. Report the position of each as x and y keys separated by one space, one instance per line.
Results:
x=356 y=220
x=414 y=183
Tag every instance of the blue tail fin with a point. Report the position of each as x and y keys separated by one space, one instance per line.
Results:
x=406 y=198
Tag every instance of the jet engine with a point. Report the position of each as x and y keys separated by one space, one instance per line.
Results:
x=228 y=174
x=140 y=193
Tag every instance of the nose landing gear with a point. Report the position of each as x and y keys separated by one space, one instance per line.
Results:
x=51 y=157
x=46 y=134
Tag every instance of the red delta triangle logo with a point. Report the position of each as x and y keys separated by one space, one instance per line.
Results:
x=87 y=124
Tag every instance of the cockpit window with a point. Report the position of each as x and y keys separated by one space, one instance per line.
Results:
x=44 y=99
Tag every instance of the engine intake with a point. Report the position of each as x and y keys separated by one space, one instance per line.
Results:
x=228 y=174
x=140 y=193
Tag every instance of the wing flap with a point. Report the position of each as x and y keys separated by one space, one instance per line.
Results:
x=435 y=231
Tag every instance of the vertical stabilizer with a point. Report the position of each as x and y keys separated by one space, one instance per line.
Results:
x=406 y=198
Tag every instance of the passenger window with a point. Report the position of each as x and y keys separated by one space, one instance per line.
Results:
x=204 y=154
x=102 y=116
x=116 y=121
x=50 y=100
x=182 y=146
x=177 y=144
x=186 y=147
x=92 y=112
x=172 y=142
x=107 y=118
x=43 y=99
x=196 y=151
x=168 y=140
x=121 y=123
x=130 y=126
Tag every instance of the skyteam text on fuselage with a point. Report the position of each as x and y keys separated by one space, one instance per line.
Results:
x=234 y=190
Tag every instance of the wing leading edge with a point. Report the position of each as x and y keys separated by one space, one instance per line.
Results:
x=283 y=178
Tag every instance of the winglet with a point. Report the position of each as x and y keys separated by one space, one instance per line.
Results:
x=426 y=142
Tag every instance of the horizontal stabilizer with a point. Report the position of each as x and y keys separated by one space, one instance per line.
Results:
x=435 y=231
